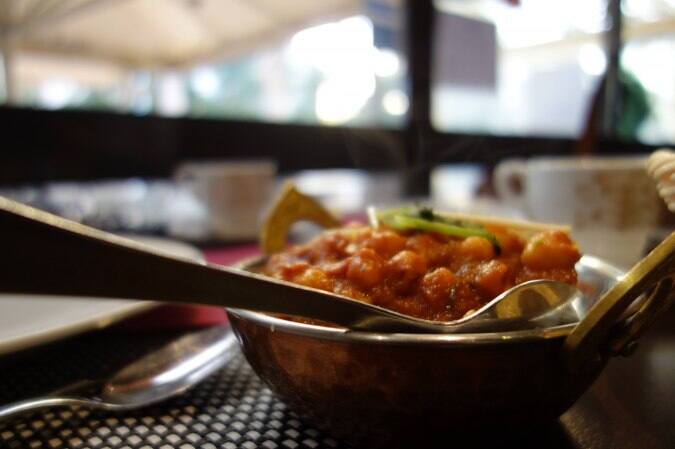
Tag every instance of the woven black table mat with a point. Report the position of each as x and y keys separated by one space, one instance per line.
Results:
x=231 y=409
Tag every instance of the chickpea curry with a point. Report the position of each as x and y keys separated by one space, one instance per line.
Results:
x=423 y=265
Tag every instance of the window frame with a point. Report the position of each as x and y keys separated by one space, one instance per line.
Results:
x=45 y=145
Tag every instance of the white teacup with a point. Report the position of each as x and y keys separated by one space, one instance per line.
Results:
x=611 y=203
x=233 y=193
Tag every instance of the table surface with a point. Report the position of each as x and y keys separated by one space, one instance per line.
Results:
x=631 y=404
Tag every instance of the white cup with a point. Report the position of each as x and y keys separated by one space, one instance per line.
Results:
x=611 y=203
x=233 y=193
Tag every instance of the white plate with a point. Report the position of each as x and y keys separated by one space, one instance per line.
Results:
x=27 y=321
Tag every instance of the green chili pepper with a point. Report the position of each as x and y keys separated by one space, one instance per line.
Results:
x=426 y=220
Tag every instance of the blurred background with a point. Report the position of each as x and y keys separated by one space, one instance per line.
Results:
x=359 y=101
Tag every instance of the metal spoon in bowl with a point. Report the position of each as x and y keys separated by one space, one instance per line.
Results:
x=46 y=254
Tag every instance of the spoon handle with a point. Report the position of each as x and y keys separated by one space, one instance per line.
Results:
x=159 y=375
x=29 y=405
x=46 y=254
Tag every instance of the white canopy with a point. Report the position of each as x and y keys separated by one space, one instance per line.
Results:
x=100 y=39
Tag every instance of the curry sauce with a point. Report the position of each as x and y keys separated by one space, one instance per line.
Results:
x=425 y=274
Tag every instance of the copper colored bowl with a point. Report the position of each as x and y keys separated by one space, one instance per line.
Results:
x=377 y=390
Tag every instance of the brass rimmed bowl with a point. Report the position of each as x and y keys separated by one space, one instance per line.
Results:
x=376 y=390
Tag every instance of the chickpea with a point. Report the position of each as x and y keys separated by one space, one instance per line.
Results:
x=329 y=245
x=550 y=249
x=338 y=268
x=491 y=278
x=476 y=249
x=409 y=262
x=436 y=284
x=351 y=292
x=509 y=241
x=365 y=268
x=434 y=251
x=315 y=278
x=386 y=243
x=405 y=268
x=286 y=266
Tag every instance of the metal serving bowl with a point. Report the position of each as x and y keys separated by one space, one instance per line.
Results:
x=377 y=390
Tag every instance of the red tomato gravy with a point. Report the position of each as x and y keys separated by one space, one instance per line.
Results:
x=423 y=274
